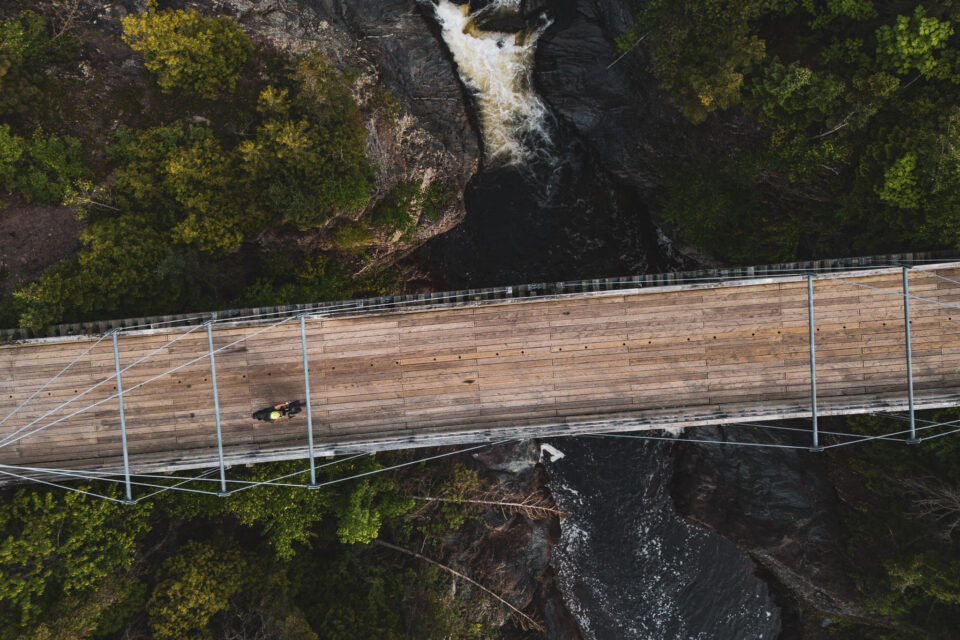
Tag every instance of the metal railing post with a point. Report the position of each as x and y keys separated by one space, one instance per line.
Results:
x=216 y=411
x=123 y=421
x=306 y=385
x=813 y=367
x=906 y=325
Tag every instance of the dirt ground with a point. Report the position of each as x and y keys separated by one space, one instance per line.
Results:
x=33 y=237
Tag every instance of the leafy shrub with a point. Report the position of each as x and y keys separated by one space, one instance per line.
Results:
x=114 y=273
x=25 y=51
x=306 y=162
x=911 y=42
x=349 y=234
x=435 y=199
x=195 y=584
x=702 y=48
x=11 y=148
x=42 y=168
x=396 y=211
x=60 y=552
x=188 y=51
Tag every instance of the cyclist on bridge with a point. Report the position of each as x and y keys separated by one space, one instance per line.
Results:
x=277 y=411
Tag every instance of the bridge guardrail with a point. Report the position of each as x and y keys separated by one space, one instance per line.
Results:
x=469 y=296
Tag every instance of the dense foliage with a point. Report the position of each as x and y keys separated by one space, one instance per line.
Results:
x=175 y=210
x=856 y=102
x=269 y=562
x=904 y=557
x=63 y=561
x=188 y=51
x=41 y=168
x=26 y=48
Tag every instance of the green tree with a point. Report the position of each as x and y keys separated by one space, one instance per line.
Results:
x=42 y=168
x=188 y=51
x=307 y=163
x=114 y=273
x=25 y=51
x=911 y=42
x=289 y=518
x=48 y=165
x=900 y=187
x=298 y=175
x=794 y=96
x=364 y=509
x=701 y=50
x=193 y=586
x=117 y=264
x=11 y=148
x=202 y=177
x=62 y=552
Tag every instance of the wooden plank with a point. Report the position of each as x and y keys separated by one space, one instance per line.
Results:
x=688 y=353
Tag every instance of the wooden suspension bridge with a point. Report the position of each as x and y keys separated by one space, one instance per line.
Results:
x=467 y=368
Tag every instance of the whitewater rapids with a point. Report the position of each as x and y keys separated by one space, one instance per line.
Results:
x=497 y=67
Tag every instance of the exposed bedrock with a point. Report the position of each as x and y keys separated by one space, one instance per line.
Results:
x=391 y=46
x=780 y=506
x=612 y=102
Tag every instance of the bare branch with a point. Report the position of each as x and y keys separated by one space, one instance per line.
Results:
x=535 y=505
x=936 y=502
x=842 y=124
x=635 y=45
x=523 y=617
x=67 y=17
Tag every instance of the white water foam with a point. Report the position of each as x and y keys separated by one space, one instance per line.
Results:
x=498 y=67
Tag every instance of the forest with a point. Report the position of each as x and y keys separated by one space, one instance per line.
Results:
x=847 y=112
x=175 y=209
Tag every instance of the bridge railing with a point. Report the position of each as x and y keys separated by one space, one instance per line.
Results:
x=490 y=294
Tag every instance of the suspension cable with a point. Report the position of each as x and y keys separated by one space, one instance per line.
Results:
x=104 y=381
x=47 y=383
x=138 y=385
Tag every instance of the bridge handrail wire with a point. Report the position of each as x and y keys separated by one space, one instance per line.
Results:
x=94 y=475
x=91 y=388
x=140 y=384
x=105 y=476
x=47 y=383
x=250 y=484
x=493 y=294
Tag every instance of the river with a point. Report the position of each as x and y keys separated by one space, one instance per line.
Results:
x=543 y=208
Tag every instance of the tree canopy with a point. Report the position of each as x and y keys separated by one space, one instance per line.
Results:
x=858 y=105
x=187 y=51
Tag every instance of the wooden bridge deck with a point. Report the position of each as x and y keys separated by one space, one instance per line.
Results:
x=651 y=358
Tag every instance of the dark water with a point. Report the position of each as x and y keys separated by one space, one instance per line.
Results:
x=630 y=568
x=560 y=218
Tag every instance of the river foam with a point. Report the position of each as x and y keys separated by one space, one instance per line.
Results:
x=497 y=67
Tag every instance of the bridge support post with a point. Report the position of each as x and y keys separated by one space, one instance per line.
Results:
x=906 y=325
x=306 y=385
x=216 y=411
x=123 y=421
x=813 y=367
